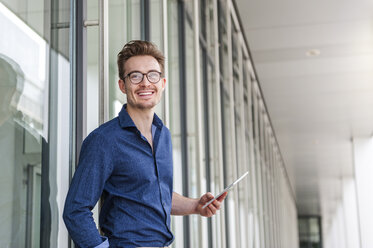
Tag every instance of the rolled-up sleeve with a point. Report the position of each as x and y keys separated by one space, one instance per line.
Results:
x=94 y=168
x=104 y=244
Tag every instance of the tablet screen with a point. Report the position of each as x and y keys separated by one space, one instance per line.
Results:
x=230 y=186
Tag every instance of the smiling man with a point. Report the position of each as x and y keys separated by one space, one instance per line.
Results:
x=128 y=162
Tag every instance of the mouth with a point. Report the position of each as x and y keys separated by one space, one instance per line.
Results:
x=146 y=93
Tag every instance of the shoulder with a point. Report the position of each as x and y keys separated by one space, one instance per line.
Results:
x=108 y=128
x=166 y=131
x=104 y=133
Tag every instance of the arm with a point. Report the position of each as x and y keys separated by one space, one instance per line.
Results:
x=182 y=205
x=85 y=190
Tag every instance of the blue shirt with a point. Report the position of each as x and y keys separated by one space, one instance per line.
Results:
x=117 y=162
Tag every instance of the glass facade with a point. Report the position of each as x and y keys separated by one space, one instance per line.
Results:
x=34 y=121
x=59 y=82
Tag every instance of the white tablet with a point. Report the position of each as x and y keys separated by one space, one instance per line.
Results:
x=227 y=189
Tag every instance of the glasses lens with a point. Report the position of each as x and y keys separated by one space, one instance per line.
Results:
x=136 y=77
x=154 y=76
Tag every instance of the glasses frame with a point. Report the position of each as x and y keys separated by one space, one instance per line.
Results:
x=143 y=74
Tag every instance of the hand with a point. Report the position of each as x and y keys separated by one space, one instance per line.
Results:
x=211 y=209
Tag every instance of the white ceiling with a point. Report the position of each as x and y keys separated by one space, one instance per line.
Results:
x=316 y=103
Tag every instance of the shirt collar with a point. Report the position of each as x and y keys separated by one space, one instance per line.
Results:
x=125 y=119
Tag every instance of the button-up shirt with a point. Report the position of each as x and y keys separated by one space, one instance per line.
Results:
x=135 y=182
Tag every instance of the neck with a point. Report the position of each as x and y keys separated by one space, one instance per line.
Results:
x=143 y=118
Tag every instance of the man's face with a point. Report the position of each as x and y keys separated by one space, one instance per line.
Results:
x=145 y=95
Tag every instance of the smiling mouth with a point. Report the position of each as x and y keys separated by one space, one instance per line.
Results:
x=148 y=93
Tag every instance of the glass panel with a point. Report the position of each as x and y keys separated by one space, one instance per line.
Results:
x=92 y=68
x=258 y=173
x=248 y=152
x=263 y=182
x=34 y=64
x=211 y=109
x=191 y=119
x=156 y=36
x=173 y=81
x=238 y=127
x=223 y=39
x=227 y=115
x=21 y=122
x=124 y=25
x=156 y=24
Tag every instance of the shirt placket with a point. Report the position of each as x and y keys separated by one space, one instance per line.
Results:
x=156 y=139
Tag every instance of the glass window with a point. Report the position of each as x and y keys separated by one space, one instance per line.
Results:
x=227 y=124
x=124 y=25
x=156 y=36
x=223 y=39
x=248 y=153
x=211 y=110
x=92 y=88
x=34 y=68
x=240 y=207
x=173 y=82
x=191 y=124
x=258 y=168
x=309 y=231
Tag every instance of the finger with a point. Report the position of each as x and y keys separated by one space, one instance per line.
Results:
x=212 y=209
x=216 y=204
x=209 y=196
x=222 y=197
x=206 y=198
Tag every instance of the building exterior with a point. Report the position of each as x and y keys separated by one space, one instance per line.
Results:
x=59 y=82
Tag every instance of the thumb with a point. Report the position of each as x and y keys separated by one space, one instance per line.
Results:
x=206 y=197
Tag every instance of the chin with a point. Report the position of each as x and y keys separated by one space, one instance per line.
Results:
x=144 y=106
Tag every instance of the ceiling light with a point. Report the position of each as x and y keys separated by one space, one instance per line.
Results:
x=313 y=52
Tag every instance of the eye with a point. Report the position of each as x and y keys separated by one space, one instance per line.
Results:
x=135 y=76
x=153 y=75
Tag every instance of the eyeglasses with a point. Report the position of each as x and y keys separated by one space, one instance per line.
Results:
x=136 y=77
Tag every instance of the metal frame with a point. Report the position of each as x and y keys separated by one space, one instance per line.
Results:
x=32 y=170
x=166 y=109
x=184 y=145
x=145 y=19
x=103 y=102
x=80 y=77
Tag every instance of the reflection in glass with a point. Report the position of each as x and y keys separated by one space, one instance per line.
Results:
x=34 y=53
x=23 y=123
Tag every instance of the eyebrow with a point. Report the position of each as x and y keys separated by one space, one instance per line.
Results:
x=143 y=72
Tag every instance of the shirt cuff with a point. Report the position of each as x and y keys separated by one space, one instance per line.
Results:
x=104 y=244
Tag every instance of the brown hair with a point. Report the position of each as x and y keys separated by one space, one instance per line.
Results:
x=138 y=48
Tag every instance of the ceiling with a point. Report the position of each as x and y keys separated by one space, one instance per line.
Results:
x=314 y=63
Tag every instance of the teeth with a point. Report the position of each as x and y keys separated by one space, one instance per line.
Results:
x=145 y=93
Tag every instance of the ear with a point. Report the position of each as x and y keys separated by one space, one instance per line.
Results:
x=163 y=81
x=122 y=86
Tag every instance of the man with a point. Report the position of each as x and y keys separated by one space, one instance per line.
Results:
x=128 y=161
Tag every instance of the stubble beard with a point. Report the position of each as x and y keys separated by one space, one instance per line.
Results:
x=145 y=105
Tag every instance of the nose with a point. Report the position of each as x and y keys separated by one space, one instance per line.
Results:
x=145 y=81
